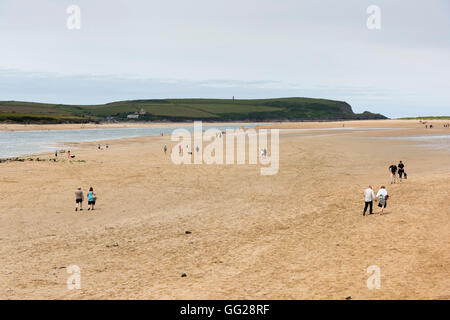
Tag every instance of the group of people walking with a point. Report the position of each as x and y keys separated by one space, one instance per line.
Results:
x=369 y=197
x=79 y=198
x=397 y=169
x=382 y=194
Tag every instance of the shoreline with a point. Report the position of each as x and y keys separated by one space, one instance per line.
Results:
x=384 y=132
x=375 y=128
x=263 y=124
x=61 y=138
x=71 y=126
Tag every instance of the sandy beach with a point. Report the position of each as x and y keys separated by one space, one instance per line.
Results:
x=70 y=126
x=285 y=125
x=299 y=234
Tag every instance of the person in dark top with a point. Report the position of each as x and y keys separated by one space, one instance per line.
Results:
x=401 y=170
x=393 y=171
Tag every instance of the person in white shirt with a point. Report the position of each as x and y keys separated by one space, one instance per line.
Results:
x=369 y=196
x=382 y=196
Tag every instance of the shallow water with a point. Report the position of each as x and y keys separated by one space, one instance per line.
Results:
x=17 y=143
x=326 y=131
x=340 y=129
x=435 y=142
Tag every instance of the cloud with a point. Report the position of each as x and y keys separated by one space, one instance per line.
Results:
x=253 y=49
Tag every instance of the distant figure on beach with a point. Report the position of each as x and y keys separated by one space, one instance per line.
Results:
x=68 y=154
x=56 y=154
x=393 y=170
x=179 y=149
x=99 y=147
x=79 y=197
x=382 y=196
x=197 y=148
x=165 y=149
x=369 y=196
x=92 y=197
x=401 y=170
x=107 y=146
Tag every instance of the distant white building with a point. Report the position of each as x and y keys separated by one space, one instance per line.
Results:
x=142 y=112
x=133 y=116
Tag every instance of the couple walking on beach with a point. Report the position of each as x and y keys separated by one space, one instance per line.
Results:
x=400 y=169
x=369 y=197
x=79 y=198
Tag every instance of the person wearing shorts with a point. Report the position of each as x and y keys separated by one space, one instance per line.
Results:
x=79 y=197
x=91 y=198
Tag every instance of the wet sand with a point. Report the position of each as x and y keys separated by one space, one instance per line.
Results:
x=299 y=234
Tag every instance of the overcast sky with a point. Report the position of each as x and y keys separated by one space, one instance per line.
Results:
x=132 y=49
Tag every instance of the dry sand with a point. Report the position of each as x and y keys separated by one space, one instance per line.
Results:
x=299 y=234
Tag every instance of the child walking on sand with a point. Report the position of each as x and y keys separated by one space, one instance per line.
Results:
x=92 y=197
x=79 y=197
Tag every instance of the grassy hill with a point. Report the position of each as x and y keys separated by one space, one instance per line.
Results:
x=184 y=110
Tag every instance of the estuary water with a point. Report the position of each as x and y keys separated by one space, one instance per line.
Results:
x=18 y=143
x=434 y=142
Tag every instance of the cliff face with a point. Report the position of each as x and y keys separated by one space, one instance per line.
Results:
x=345 y=107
